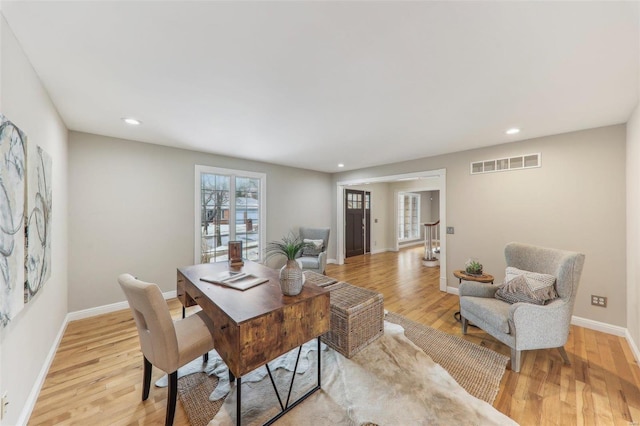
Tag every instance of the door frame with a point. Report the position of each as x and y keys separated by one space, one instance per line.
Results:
x=434 y=180
x=363 y=221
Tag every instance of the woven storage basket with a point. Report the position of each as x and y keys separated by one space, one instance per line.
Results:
x=357 y=318
x=318 y=279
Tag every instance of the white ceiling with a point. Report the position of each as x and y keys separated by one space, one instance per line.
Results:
x=314 y=84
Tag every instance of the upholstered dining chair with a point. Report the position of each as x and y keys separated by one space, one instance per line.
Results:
x=526 y=326
x=314 y=257
x=165 y=343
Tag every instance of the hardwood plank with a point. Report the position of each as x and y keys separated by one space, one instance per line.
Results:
x=96 y=376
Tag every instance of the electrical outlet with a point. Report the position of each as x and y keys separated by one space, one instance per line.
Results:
x=4 y=402
x=450 y=230
x=599 y=301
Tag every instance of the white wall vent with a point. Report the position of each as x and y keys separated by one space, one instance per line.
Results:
x=518 y=162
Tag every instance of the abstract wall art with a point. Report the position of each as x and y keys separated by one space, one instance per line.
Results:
x=13 y=144
x=38 y=221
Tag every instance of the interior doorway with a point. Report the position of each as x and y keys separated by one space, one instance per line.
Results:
x=385 y=225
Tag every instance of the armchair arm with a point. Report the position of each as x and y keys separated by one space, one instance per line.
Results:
x=470 y=288
x=540 y=326
x=322 y=260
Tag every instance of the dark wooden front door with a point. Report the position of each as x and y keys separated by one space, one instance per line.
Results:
x=354 y=219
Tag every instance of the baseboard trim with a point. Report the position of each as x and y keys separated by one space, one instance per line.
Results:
x=599 y=326
x=106 y=309
x=411 y=244
x=383 y=250
x=632 y=345
x=30 y=403
x=453 y=290
x=334 y=261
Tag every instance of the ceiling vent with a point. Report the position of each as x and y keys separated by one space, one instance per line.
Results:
x=519 y=162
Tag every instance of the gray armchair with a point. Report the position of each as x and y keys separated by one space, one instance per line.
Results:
x=524 y=326
x=311 y=259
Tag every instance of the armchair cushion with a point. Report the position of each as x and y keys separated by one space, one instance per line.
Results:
x=308 y=262
x=495 y=312
x=528 y=287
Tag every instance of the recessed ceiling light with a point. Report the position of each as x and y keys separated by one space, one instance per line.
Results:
x=340 y=165
x=513 y=131
x=132 y=121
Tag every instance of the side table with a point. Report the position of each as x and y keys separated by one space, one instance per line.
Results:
x=462 y=275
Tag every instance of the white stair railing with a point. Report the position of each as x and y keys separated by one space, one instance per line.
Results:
x=431 y=237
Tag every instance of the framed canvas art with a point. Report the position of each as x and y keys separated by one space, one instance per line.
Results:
x=38 y=221
x=13 y=144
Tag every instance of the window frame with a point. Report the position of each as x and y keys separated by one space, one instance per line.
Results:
x=401 y=217
x=233 y=174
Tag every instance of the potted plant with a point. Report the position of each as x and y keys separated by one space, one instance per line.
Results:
x=291 y=276
x=473 y=267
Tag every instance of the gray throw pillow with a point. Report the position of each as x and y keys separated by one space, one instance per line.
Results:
x=313 y=247
x=528 y=287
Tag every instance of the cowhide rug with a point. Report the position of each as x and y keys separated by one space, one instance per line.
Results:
x=391 y=382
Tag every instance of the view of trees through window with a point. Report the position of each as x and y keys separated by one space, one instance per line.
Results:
x=230 y=207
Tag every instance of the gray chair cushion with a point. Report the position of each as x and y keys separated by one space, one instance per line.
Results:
x=495 y=312
x=306 y=262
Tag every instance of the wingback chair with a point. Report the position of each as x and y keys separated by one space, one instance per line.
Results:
x=166 y=344
x=526 y=326
x=314 y=259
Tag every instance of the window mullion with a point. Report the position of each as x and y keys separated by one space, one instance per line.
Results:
x=232 y=208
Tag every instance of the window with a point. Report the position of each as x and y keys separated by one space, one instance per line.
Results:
x=229 y=207
x=354 y=201
x=408 y=216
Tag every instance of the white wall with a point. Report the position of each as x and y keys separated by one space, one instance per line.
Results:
x=435 y=206
x=27 y=340
x=558 y=205
x=633 y=228
x=132 y=210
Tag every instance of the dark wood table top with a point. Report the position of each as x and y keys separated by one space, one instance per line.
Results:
x=242 y=306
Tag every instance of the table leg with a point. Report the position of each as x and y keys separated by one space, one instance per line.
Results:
x=458 y=314
x=288 y=407
x=319 y=364
x=238 y=401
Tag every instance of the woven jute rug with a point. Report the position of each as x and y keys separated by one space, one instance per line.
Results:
x=194 y=391
x=477 y=369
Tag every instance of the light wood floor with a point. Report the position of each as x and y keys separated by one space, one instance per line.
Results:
x=96 y=375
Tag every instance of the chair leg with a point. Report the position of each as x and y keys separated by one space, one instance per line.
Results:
x=146 y=378
x=564 y=356
x=515 y=360
x=171 y=398
x=464 y=323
